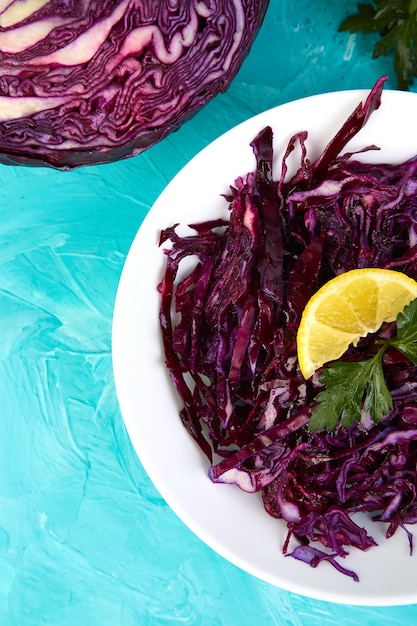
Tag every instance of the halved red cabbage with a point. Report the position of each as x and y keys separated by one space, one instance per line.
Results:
x=92 y=81
x=229 y=327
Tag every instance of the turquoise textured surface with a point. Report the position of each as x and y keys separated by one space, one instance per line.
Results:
x=85 y=538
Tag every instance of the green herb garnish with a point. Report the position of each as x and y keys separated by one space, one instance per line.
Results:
x=395 y=21
x=353 y=387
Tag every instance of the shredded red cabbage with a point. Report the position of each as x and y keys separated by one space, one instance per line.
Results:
x=247 y=404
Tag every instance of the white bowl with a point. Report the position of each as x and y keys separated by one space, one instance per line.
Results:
x=231 y=522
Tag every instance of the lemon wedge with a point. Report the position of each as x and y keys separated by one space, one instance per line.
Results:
x=347 y=308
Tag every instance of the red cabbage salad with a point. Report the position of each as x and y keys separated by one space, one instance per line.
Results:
x=229 y=337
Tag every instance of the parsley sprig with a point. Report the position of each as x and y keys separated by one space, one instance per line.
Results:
x=353 y=387
x=395 y=22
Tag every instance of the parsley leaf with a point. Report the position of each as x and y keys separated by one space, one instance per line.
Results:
x=395 y=22
x=353 y=387
x=406 y=339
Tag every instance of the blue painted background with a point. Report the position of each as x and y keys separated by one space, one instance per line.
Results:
x=85 y=539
